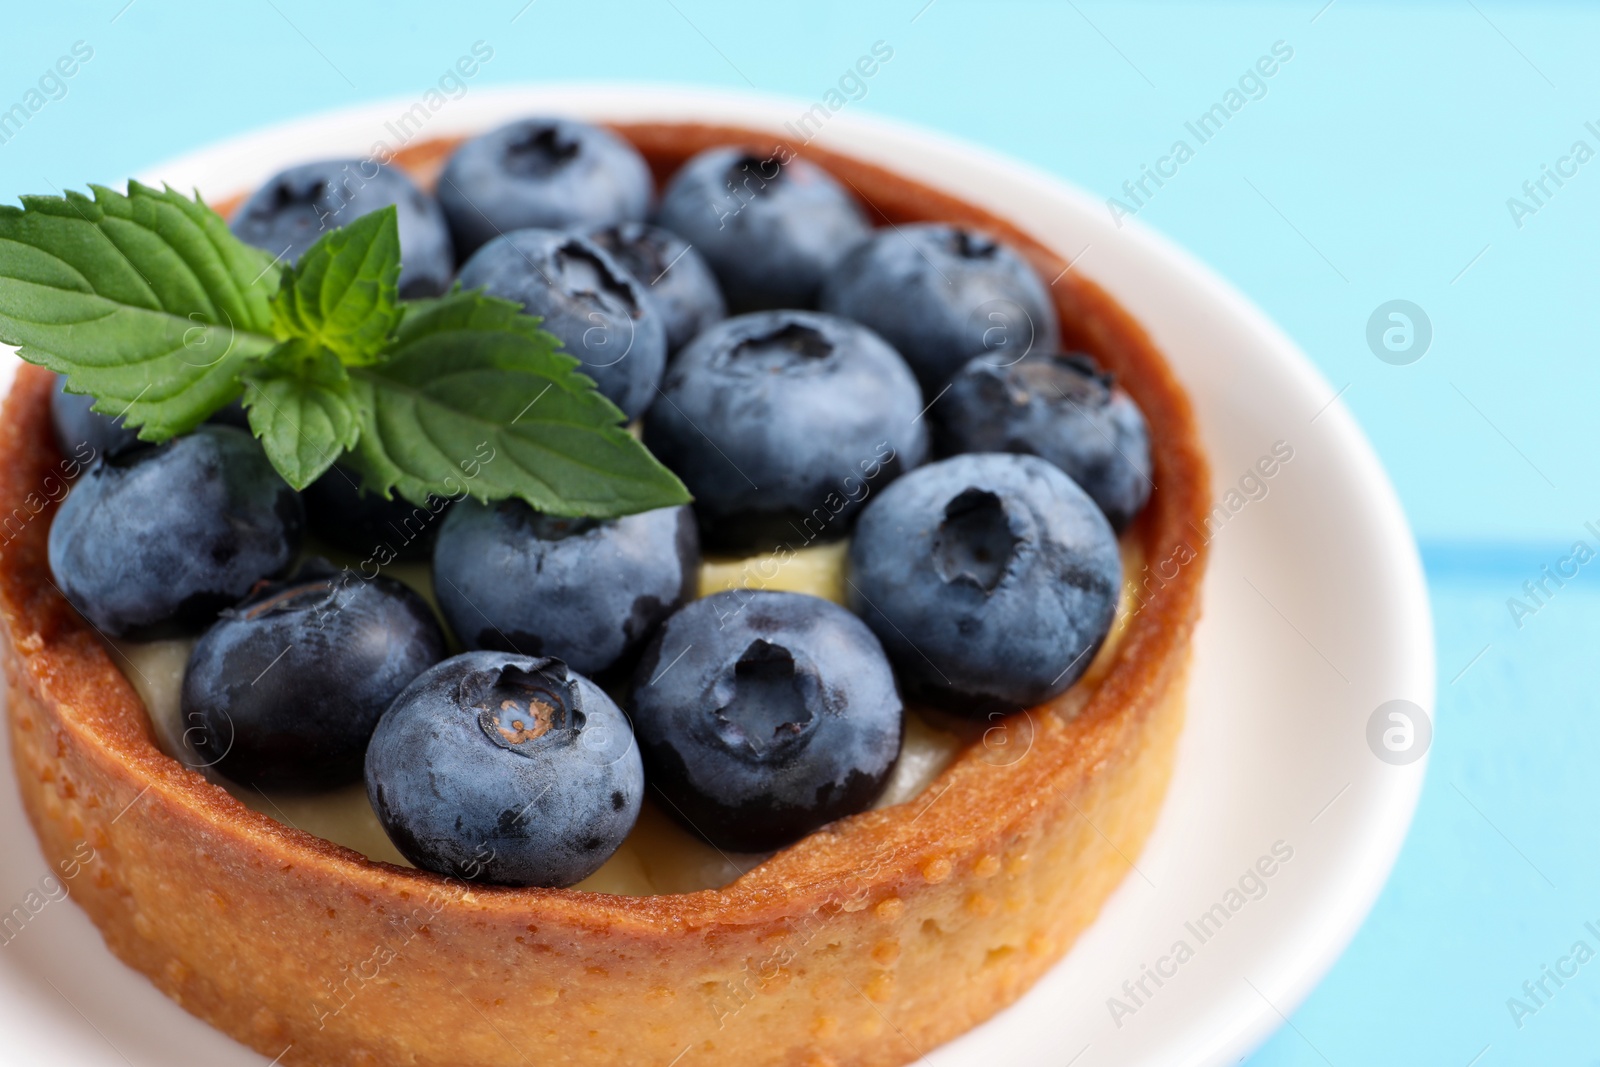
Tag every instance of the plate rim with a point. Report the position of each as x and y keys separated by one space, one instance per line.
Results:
x=872 y=136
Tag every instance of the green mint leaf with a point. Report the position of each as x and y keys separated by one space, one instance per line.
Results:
x=462 y=408
x=343 y=294
x=147 y=301
x=304 y=409
x=475 y=310
x=144 y=300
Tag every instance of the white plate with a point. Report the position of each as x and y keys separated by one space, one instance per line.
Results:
x=1315 y=614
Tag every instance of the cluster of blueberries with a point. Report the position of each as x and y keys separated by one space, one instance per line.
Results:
x=980 y=582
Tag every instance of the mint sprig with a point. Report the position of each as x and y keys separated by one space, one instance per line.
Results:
x=145 y=301
x=344 y=294
x=469 y=384
x=148 y=302
x=303 y=407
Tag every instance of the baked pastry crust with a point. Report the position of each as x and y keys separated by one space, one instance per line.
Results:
x=869 y=942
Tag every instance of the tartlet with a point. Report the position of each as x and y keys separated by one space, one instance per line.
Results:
x=868 y=942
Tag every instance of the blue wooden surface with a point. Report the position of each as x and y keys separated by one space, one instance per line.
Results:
x=1378 y=162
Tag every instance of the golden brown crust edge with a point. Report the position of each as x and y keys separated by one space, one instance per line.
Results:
x=870 y=943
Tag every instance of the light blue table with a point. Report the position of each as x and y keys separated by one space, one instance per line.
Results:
x=1376 y=163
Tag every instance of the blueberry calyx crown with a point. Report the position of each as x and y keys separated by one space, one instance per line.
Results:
x=584 y=274
x=791 y=345
x=965 y=244
x=631 y=244
x=976 y=542
x=516 y=707
x=541 y=151
x=771 y=707
x=1073 y=379
x=766 y=170
x=287 y=195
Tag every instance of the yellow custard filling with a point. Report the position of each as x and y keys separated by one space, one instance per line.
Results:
x=659 y=856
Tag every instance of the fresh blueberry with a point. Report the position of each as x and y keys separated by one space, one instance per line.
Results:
x=991 y=579
x=85 y=433
x=504 y=768
x=676 y=277
x=771 y=229
x=782 y=422
x=343 y=514
x=941 y=295
x=555 y=174
x=587 y=299
x=764 y=715
x=586 y=592
x=293 y=210
x=156 y=541
x=286 y=688
x=1062 y=408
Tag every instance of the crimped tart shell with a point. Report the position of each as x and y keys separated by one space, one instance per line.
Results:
x=867 y=943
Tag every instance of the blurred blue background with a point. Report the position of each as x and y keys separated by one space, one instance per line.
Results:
x=1377 y=166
